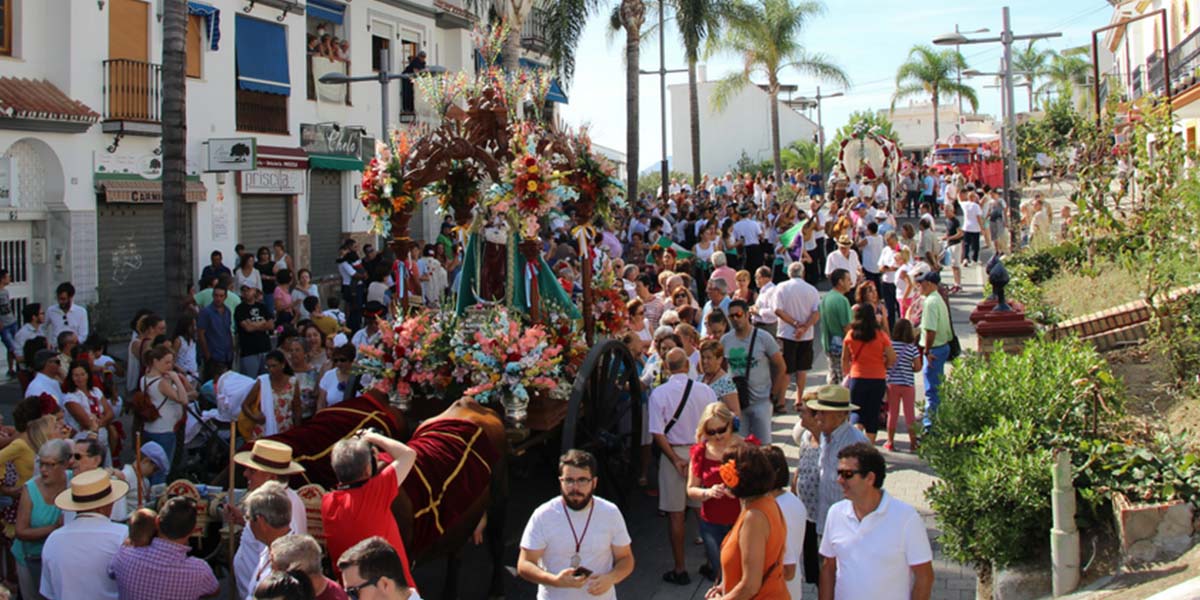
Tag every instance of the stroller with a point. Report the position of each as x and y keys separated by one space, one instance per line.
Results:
x=206 y=432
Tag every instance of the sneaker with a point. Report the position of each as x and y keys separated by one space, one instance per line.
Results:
x=677 y=578
x=889 y=447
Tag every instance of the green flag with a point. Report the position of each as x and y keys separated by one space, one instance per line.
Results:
x=790 y=235
x=680 y=251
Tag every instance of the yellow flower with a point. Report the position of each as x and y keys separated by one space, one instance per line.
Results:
x=533 y=169
x=532 y=186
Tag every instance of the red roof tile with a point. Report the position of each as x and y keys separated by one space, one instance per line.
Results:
x=40 y=99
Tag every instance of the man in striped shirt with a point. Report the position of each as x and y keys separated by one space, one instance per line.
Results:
x=833 y=414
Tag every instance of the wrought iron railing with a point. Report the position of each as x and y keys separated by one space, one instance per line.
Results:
x=533 y=32
x=262 y=112
x=132 y=91
x=1136 y=89
x=1185 y=62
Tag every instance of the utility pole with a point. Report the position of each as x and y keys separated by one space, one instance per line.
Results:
x=662 y=92
x=821 y=129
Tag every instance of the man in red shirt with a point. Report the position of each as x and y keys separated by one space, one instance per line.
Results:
x=361 y=506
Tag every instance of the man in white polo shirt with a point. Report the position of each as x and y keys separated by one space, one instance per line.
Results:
x=675 y=411
x=845 y=258
x=874 y=546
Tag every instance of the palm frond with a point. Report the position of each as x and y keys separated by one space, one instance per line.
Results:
x=903 y=92
x=727 y=87
x=565 y=22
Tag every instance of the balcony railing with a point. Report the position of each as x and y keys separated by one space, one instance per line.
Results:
x=261 y=112
x=1185 y=62
x=1136 y=88
x=132 y=91
x=533 y=32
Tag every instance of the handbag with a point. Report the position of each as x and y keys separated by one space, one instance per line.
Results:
x=742 y=382
x=955 y=345
x=143 y=404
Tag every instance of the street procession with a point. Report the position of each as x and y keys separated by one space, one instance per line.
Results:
x=300 y=341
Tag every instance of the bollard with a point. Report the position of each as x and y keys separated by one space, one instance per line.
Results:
x=1064 y=536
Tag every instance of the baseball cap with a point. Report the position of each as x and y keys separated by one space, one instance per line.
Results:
x=932 y=277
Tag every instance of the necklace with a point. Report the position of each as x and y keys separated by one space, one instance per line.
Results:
x=575 y=559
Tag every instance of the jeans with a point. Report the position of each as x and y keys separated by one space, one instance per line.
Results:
x=756 y=420
x=887 y=291
x=251 y=365
x=8 y=335
x=971 y=252
x=167 y=441
x=713 y=535
x=29 y=577
x=933 y=380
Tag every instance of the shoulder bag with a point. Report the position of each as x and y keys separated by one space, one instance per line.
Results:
x=742 y=382
x=143 y=404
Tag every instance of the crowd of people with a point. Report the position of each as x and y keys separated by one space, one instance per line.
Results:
x=732 y=288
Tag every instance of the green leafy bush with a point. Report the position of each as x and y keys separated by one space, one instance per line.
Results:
x=1045 y=263
x=1150 y=467
x=1000 y=417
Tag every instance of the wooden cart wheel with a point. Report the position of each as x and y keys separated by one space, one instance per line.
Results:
x=604 y=417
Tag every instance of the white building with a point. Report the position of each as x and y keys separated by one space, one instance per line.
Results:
x=913 y=124
x=744 y=126
x=80 y=126
x=619 y=159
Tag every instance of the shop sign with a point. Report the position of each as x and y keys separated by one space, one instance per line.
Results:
x=272 y=181
x=147 y=166
x=231 y=154
x=331 y=138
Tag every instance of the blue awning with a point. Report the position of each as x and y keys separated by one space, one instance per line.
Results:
x=326 y=10
x=262 y=64
x=556 y=93
x=212 y=21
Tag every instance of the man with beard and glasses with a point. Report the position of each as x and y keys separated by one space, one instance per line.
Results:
x=576 y=546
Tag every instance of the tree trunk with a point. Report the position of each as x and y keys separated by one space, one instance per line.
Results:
x=937 y=129
x=177 y=262
x=774 y=96
x=633 y=16
x=694 y=113
x=1031 y=96
x=510 y=56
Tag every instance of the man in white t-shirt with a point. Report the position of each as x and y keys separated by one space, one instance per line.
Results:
x=576 y=546
x=872 y=247
x=972 y=228
x=764 y=306
x=748 y=232
x=795 y=517
x=882 y=193
x=845 y=258
x=885 y=554
x=887 y=277
x=797 y=305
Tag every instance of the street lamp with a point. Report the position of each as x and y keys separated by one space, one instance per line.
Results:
x=1006 y=38
x=662 y=95
x=383 y=77
x=821 y=127
x=957 y=31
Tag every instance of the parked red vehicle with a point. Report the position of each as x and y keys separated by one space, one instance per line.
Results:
x=978 y=160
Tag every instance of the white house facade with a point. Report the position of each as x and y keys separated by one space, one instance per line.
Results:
x=272 y=154
x=913 y=124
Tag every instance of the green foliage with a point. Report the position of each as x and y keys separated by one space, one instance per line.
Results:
x=804 y=155
x=1000 y=417
x=650 y=182
x=1021 y=288
x=1051 y=135
x=1146 y=468
x=1045 y=263
x=872 y=120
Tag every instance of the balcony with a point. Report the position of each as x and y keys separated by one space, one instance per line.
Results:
x=260 y=112
x=1135 y=90
x=1185 y=63
x=132 y=97
x=533 y=32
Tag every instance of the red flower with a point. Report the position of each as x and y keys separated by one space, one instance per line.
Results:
x=530 y=161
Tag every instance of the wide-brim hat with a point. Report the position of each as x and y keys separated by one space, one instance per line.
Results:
x=832 y=398
x=844 y=241
x=269 y=456
x=91 y=490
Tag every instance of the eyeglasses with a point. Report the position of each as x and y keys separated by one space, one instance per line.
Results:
x=580 y=482
x=847 y=474
x=736 y=315
x=712 y=432
x=353 y=590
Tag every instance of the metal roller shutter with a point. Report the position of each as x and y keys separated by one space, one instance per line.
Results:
x=130 y=261
x=264 y=219
x=324 y=220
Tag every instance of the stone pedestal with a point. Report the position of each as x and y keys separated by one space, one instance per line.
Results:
x=1009 y=327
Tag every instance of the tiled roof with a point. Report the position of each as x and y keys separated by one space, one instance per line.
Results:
x=40 y=99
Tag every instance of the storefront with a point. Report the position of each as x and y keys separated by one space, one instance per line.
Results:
x=268 y=197
x=130 y=238
x=333 y=151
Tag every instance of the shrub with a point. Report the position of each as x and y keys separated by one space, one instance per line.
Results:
x=1000 y=417
x=1045 y=263
x=1152 y=467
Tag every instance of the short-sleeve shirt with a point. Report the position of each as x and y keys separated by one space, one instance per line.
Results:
x=794 y=516
x=218 y=334
x=161 y=571
x=935 y=316
x=799 y=300
x=737 y=352
x=875 y=555
x=7 y=317
x=548 y=531
x=353 y=515
x=335 y=391
x=723 y=386
x=867 y=358
x=901 y=373
x=835 y=316
x=719 y=511
x=252 y=342
x=972 y=214
x=952 y=227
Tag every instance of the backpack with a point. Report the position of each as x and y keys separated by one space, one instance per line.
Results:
x=143 y=404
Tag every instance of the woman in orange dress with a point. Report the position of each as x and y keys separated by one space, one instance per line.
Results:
x=752 y=554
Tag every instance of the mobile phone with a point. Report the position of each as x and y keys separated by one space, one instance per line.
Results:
x=582 y=572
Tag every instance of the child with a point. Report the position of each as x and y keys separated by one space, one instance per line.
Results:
x=143 y=526
x=900 y=385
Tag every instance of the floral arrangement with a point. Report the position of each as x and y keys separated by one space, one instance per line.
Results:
x=442 y=90
x=490 y=42
x=595 y=178
x=529 y=189
x=505 y=361
x=458 y=190
x=410 y=356
x=384 y=188
x=608 y=305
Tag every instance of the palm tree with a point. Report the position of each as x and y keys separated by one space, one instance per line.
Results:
x=177 y=262
x=1066 y=73
x=1030 y=63
x=698 y=20
x=515 y=12
x=804 y=155
x=766 y=34
x=929 y=72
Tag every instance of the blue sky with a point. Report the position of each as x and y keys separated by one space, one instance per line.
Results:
x=869 y=39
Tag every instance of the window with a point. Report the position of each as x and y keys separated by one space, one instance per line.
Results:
x=6 y=27
x=327 y=48
x=378 y=44
x=263 y=85
x=195 y=45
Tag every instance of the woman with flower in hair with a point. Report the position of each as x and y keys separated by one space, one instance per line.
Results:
x=752 y=554
x=719 y=508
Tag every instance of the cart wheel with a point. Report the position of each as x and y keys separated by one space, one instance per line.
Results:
x=604 y=417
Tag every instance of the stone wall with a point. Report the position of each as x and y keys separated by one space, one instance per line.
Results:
x=1117 y=326
x=1153 y=532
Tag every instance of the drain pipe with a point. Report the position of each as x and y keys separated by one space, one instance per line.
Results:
x=1064 y=536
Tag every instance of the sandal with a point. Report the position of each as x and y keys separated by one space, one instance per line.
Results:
x=708 y=573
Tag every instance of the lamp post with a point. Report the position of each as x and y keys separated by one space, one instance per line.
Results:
x=384 y=77
x=958 y=125
x=1006 y=38
x=662 y=93
x=821 y=128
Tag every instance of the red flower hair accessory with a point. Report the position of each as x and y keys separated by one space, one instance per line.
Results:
x=729 y=474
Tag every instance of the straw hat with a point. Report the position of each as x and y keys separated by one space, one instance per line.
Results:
x=269 y=456
x=832 y=398
x=844 y=241
x=91 y=490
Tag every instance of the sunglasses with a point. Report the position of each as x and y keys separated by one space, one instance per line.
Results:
x=352 y=591
x=712 y=432
x=736 y=315
x=81 y=456
x=847 y=474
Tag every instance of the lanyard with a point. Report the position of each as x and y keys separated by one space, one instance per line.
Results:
x=578 y=539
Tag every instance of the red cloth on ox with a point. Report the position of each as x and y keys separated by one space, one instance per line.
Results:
x=313 y=441
x=453 y=468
